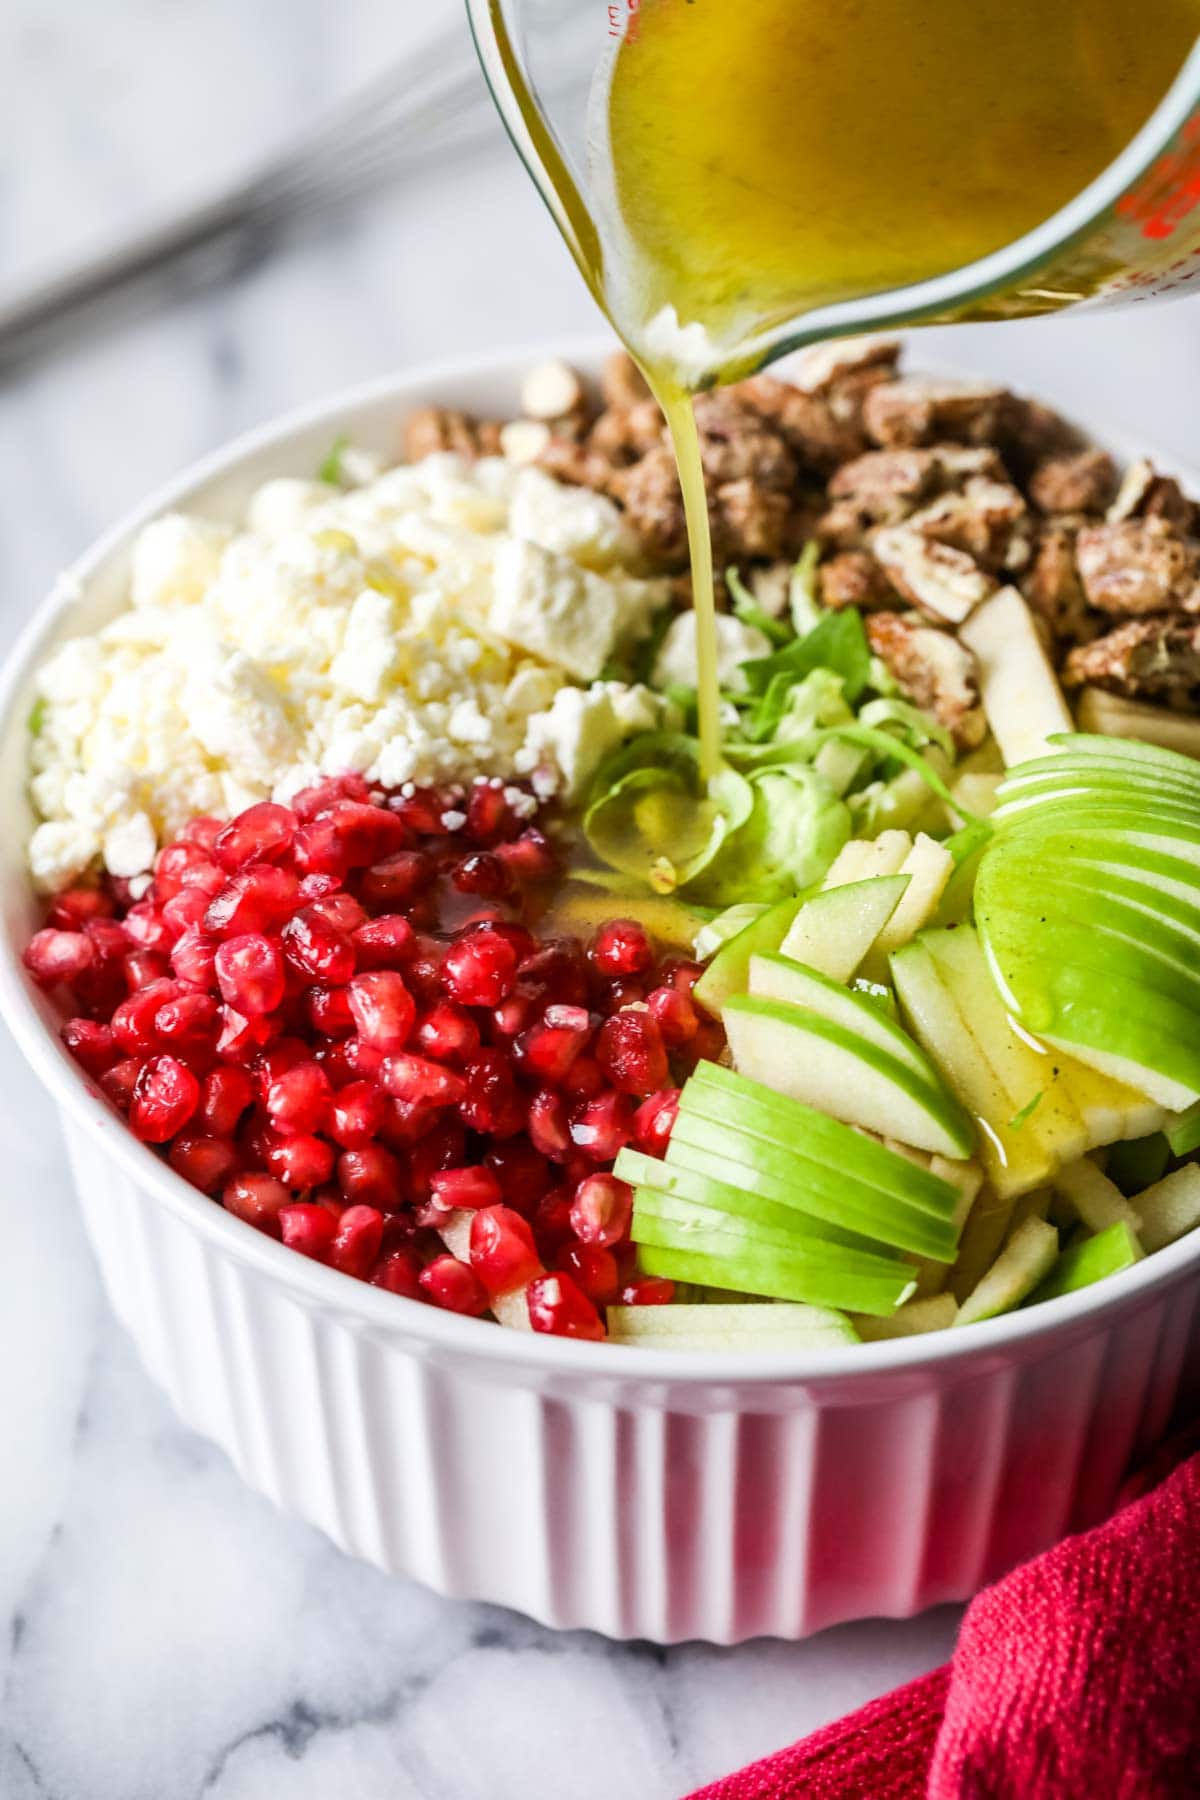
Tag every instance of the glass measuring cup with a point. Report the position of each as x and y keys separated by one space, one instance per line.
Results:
x=1131 y=234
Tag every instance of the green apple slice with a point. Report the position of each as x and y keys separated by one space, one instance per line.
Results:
x=1022 y=1265
x=1021 y=697
x=1015 y=1161
x=983 y=1234
x=1088 y=930
x=1093 y=1199
x=844 y=1074
x=723 y=1197
x=779 y=1275
x=1135 y=830
x=775 y=977
x=1146 y=756
x=1140 y=1161
x=761 y=1168
x=750 y=1327
x=1093 y=1259
x=1183 y=1133
x=1170 y=1208
x=833 y=930
x=863 y=858
x=929 y=866
x=1166 y=1092
x=1113 y=716
x=728 y=972
x=722 y=1096
x=910 y=1320
x=667 y=1220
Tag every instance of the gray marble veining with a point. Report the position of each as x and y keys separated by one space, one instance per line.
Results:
x=163 y=1633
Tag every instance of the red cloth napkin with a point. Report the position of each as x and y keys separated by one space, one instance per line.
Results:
x=1077 y=1677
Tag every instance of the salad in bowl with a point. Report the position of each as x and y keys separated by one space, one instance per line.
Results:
x=377 y=899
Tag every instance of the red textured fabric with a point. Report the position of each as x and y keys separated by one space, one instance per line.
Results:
x=1078 y=1675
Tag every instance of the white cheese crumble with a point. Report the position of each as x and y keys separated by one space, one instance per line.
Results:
x=737 y=643
x=423 y=627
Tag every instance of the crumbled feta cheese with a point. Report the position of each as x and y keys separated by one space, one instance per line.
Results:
x=583 y=725
x=736 y=643
x=405 y=629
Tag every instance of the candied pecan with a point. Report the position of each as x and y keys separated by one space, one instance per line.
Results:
x=1052 y=586
x=818 y=438
x=622 y=382
x=736 y=445
x=1146 y=494
x=1139 y=566
x=1158 y=657
x=933 y=669
x=624 y=433
x=750 y=521
x=575 y=463
x=844 y=371
x=852 y=578
x=1031 y=433
x=939 y=579
x=911 y=411
x=436 y=428
x=649 y=491
x=1084 y=482
x=980 y=520
x=887 y=484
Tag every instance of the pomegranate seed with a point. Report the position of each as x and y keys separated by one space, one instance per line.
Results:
x=552 y=1221
x=674 y=1015
x=53 y=956
x=406 y=1123
x=522 y=1173
x=72 y=909
x=302 y=1161
x=442 y=1146
x=165 y=1095
x=548 y=1050
x=298 y=1100
x=184 y=865
x=595 y=1270
x=262 y=833
x=654 y=1121
x=603 y=1126
x=685 y=975
x=145 y=924
x=351 y=835
x=92 y=1045
x=311 y=801
x=584 y=1079
x=384 y=943
x=364 y=1061
x=398 y=881
x=422 y=810
x=452 y=1284
x=631 y=1052
x=399 y=1273
x=118 y=1082
x=415 y=1078
x=601 y=1210
x=257 y=899
x=286 y=1053
x=621 y=947
x=503 y=1253
x=308 y=1229
x=193 y=959
x=558 y=1306
x=480 y=969
x=423 y=971
x=560 y=967
x=225 y=1095
x=317 y=948
x=648 y=1290
x=356 y=1244
x=371 y=1176
x=448 y=1033
x=257 y=1200
x=548 y=1130
x=471 y=1188
x=491 y=1103
x=207 y=1162
x=134 y=1023
x=203 y=831
x=488 y=813
x=355 y=1114
x=142 y=967
x=708 y=1043
x=339 y=909
x=482 y=873
x=185 y=911
x=383 y=1009
x=531 y=857
x=329 y=1011
x=188 y=1019
x=250 y=974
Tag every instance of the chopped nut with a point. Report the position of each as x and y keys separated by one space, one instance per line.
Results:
x=822 y=366
x=439 y=428
x=980 y=520
x=622 y=382
x=625 y=433
x=817 y=437
x=887 y=484
x=940 y=580
x=853 y=579
x=576 y=463
x=524 y=440
x=1159 y=657
x=750 y=520
x=552 y=390
x=736 y=445
x=649 y=491
x=935 y=671
x=1084 y=482
x=911 y=411
x=1145 y=494
x=1031 y=433
x=1053 y=588
x=1139 y=566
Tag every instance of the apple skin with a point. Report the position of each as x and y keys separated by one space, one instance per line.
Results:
x=777 y=977
x=833 y=930
x=665 y=1219
x=778 y=1276
x=824 y=1065
x=1133 y=826
x=1129 y=903
x=1092 y=1259
x=1082 y=931
x=723 y=1198
x=840 y=1153
x=736 y=1325
x=728 y=972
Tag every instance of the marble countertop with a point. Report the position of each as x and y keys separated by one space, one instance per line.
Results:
x=163 y=1633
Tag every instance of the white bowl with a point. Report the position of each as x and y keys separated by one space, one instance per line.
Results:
x=640 y=1493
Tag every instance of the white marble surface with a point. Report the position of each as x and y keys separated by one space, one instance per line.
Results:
x=163 y=1633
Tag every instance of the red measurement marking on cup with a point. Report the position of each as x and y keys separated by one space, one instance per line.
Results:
x=1170 y=190
x=624 y=19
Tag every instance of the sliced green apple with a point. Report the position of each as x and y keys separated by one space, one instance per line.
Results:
x=1019 y=689
x=1022 y=1265
x=750 y=1327
x=728 y=972
x=929 y=866
x=833 y=930
x=910 y=1320
x=842 y=1073
x=1093 y=1199
x=666 y=1219
x=1170 y=1208
x=671 y=1178
x=863 y=858
x=1183 y=1133
x=778 y=1275
x=776 y=977
x=982 y=1236
x=1092 y=1259
x=1114 y=716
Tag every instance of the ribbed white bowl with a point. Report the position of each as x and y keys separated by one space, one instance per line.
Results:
x=639 y=1493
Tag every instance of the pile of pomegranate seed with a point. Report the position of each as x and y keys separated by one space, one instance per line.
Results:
x=338 y=1018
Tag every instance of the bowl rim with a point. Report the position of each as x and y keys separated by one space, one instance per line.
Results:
x=354 y=1301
